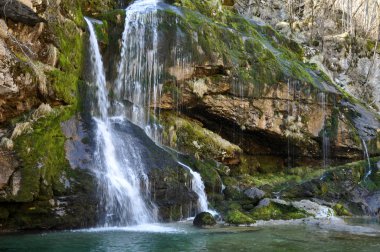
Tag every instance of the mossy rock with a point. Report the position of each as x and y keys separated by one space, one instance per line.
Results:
x=43 y=156
x=204 y=219
x=188 y=136
x=236 y=217
x=234 y=193
x=275 y=211
x=340 y=210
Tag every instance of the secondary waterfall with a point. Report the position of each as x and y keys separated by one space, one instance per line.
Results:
x=199 y=188
x=121 y=168
x=368 y=168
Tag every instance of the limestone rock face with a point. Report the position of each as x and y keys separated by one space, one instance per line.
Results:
x=323 y=39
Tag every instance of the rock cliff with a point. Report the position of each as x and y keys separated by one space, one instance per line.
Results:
x=252 y=108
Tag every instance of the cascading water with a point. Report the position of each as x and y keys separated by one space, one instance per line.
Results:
x=119 y=168
x=139 y=70
x=368 y=169
x=199 y=188
x=140 y=75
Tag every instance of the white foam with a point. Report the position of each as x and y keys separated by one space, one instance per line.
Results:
x=144 y=228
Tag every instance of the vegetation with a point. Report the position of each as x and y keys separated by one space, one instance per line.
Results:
x=236 y=217
x=275 y=211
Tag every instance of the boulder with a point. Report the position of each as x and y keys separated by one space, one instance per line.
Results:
x=313 y=208
x=204 y=219
x=255 y=194
x=236 y=217
x=19 y=12
x=275 y=209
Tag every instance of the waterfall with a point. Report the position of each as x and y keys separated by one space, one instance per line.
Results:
x=368 y=169
x=139 y=70
x=119 y=167
x=199 y=188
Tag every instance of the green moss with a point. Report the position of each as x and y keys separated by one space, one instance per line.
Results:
x=234 y=194
x=43 y=157
x=370 y=46
x=72 y=9
x=236 y=217
x=257 y=55
x=280 y=179
x=65 y=86
x=331 y=125
x=210 y=8
x=112 y=16
x=275 y=211
x=66 y=78
x=204 y=219
x=209 y=175
x=101 y=30
x=340 y=210
x=190 y=137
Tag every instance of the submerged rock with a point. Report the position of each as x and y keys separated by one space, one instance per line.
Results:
x=204 y=219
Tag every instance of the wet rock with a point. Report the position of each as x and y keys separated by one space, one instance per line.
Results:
x=77 y=144
x=255 y=194
x=8 y=165
x=204 y=220
x=171 y=193
x=313 y=208
x=234 y=193
x=373 y=203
